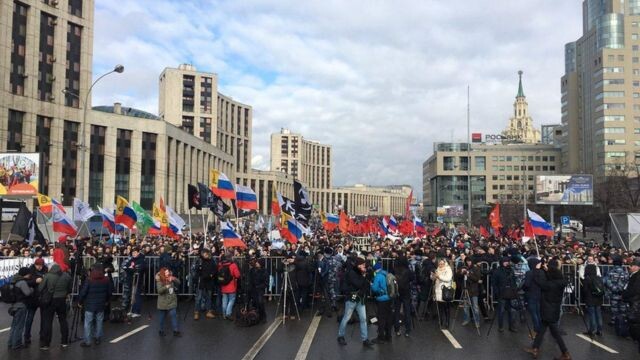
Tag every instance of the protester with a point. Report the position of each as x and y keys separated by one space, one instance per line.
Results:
x=404 y=278
x=552 y=284
x=505 y=291
x=54 y=288
x=166 y=285
x=22 y=292
x=134 y=269
x=93 y=297
x=228 y=275
x=259 y=279
x=471 y=277
x=533 y=294
x=631 y=295
x=38 y=269
x=593 y=295
x=383 y=304
x=356 y=289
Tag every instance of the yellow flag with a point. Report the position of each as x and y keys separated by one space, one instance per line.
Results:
x=43 y=200
x=120 y=204
x=214 y=176
x=160 y=215
x=323 y=216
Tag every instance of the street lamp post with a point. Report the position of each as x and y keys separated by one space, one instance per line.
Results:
x=117 y=69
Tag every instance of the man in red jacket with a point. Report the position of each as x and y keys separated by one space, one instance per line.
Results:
x=228 y=275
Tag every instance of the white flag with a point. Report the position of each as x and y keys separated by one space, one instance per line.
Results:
x=81 y=211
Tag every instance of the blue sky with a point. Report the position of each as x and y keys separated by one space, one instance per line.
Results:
x=378 y=80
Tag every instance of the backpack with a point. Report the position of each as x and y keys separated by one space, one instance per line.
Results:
x=224 y=275
x=8 y=293
x=597 y=287
x=392 y=286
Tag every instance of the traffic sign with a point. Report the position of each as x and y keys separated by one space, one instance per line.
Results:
x=564 y=220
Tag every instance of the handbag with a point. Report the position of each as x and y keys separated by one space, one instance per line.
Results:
x=447 y=293
x=46 y=297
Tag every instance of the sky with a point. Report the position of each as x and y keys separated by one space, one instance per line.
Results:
x=380 y=81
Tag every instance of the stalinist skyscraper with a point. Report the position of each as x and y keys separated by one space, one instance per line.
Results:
x=521 y=124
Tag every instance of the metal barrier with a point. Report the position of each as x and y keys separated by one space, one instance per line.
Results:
x=181 y=267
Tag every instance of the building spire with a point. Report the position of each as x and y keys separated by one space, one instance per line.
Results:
x=520 y=91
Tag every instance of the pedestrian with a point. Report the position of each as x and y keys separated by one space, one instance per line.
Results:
x=54 y=289
x=93 y=298
x=22 y=292
x=631 y=295
x=356 y=289
x=443 y=277
x=533 y=294
x=505 y=290
x=228 y=275
x=552 y=285
x=383 y=304
x=404 y=278
x=204 y=273
x=593 y=296
x=167 y=285
x=38 y=269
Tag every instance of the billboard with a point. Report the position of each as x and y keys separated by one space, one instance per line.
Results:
x=19 y=174
x=564 y=189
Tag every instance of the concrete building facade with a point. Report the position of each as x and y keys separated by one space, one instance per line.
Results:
x=520 y=127
x=600 y=90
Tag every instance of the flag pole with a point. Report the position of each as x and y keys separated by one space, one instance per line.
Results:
x=204 y=227
x=535 y=241
x=190 y=233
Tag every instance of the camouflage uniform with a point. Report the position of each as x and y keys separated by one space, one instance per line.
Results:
x=519 y=271
x=334 y=264
x=616 y=281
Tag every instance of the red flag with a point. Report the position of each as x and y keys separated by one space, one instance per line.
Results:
x=528 y=229
x=494 y=218
x=343 y=225
x=436 y=231
x=406 y=227
x=484 y=232
x=407 y=204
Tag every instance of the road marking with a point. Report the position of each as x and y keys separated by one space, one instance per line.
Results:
x=129 y=334
x=308 y=338
x=255 y=349
x=3 y=330
x=605 y=347
x=453 y=340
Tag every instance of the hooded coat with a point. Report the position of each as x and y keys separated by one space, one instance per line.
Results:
x=56 y=281
x=552 y=285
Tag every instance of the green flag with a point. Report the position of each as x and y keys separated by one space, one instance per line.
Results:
x=144 y=219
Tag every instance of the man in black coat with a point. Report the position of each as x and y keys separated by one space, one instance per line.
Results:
x=505 y=290
x=356 y=289
x=259 y=279
x=204 y=273
x=94 y=296
x=552 y=284
x=631 y=295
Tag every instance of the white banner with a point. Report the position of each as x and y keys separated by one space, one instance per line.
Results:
x=10 y=266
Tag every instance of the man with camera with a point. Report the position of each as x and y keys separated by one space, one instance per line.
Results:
x=22 y=293
x=133 y=268
x=204 y=273
x=471 y=278
x=356 y=289
x=38 y=270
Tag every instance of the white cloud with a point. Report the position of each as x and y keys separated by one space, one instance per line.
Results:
x=380 y=81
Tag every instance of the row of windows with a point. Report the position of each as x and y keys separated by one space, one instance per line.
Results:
x=522 y=168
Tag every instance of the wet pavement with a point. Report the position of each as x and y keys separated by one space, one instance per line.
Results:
x=220 y=339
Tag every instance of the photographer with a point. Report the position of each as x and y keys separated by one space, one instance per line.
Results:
x=356 y=289
x=38 y=270
x=471 y=278
x=204 y=272
x=22 y=292
x=552 y=284
x=133 y=268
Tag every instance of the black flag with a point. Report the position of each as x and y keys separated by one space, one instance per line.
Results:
x=206 y=196
x=34 y=232
x=194 y=197
x=288 y=207
x=218 y=206
x=21 y=225
x=303 y=203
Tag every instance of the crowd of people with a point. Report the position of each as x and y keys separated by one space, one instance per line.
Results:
x=407 y=279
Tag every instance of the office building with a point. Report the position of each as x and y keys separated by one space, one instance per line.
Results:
x=600 y=90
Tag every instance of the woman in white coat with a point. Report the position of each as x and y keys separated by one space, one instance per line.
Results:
x=443 y=276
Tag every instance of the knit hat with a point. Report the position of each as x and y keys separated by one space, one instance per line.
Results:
x=39 y=261
x=360 y=261
x=505 y=259
x=377 y=266
x=328 y=251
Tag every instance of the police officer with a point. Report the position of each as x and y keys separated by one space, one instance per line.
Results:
x=615 y=283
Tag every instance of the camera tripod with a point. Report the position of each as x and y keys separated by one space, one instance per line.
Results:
x=286 y=288
x=466 y=303
x=521 y=314
x=77 y=315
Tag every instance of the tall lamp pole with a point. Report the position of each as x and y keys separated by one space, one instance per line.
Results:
x=468 y=161
x=83 y=125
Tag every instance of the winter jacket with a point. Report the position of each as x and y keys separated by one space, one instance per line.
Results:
x=57 y=281
x=167 y=294
x=302 y=270
x=355 y=282
x=95 y=293
x=532 y=291
x=552 y=284
x=205 y=273
x=379 y=286
x=443 y=277
x=232 y=286
x=404 y=277
x=474 y=275
x=503 y=278
x=587 y=292
x=259 y=279
x=22 y=290
x=632 y=292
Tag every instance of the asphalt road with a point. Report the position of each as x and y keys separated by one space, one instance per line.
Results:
x=309 y=338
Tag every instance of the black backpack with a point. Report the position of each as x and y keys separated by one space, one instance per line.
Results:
x=224 y=275
x=8 y=293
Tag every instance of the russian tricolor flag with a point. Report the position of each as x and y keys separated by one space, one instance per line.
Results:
x=539 y=225
x=384 y=226
x=296 y=229
x=221 y=186
x=393 y=224
x=125 y=214
x=62 y=223
x=246 y=198
x=331 y=222
x=230 y=236
x=419 y=226
x=107 y=220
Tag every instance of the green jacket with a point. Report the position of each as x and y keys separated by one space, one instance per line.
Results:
x=167 y=299
x=57 y=281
